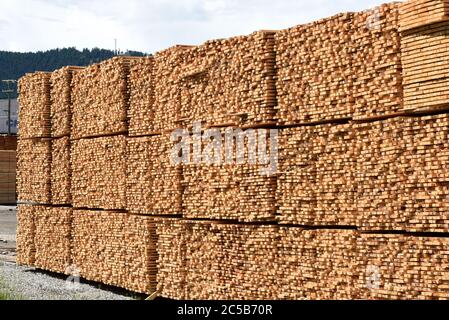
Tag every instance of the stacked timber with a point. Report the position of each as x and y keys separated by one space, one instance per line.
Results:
x=61 y=172
x=376 y=62
x=61 y=102
x=99 y=173
x=230 y=81
x=34 y=100
x=210 y=260
x=116 y=249
x=141 y=96
x=7 y=177
x=166 y=70
x=171 y=248
x=338 y=67
x=425 y=61
x=153 y=182
x=402 y=267
x=8 y=142
x=26 y=229
x=100 y=99
x=53 y=238
x=33 y=170
x=316 y=182
x=316 y=264
x=234 y=185
x=380 y=174
x=418 y=13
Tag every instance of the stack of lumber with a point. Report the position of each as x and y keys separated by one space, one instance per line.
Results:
x=34 y=100
x=53 y=238
x=380 y=172
x=153 y=182
x=230 y=81
x=61 y=103
x=141 y=96
x=316 y=264
x=26 y=229
x=8 y=142
x=99 y=173
x=61 y=172
x=100 y=99
x=402 y=267
x=425 y=57
x=215 y=189
x=376 y=62
x=167 y=69
x=316 y=182
x=115 y=248
x=417 y=13
x=383 y=175
x=339 y=67
x=424 y=195
x=33 y=170
x=7 y=177
x=171 y=248
x=210 y=260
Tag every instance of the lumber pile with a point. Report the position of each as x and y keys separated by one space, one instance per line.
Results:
x=340 y=67
x=34 y=100
x=402 y=267
x=316 y=264
x=7 y=177
x=61 y=172
x=100 y=99
x=316 y=182
x=425 y=57
x=26 y=229
x=418 y=13
x=230 y=81
x=171 y=248
x=215 y=189
x=210 y=260
x=8 y=142
x=167 y=68
x=115 y=248
x=33 y=170
x=61 y=102
x=53 y=238
x=99 y=173
x=153 y=182
x=141 y=96
x=380 y=169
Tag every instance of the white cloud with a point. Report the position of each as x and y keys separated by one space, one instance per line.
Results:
x=151 y=25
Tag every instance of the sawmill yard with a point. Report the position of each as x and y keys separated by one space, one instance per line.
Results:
x=337 y=186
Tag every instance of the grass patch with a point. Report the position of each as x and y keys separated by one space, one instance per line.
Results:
x=6 y=294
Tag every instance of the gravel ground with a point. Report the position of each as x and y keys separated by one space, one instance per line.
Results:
x=29 y=284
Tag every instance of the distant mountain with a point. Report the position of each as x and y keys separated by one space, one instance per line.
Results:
x=14 y=65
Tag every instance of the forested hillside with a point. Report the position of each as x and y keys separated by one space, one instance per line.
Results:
x=13 y=65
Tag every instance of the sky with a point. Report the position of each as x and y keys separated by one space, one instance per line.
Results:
x=151 y=25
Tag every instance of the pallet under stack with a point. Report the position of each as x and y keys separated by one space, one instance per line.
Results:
x=356 y=209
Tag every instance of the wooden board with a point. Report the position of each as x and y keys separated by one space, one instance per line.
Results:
x=418 y=13
x=26 y=230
